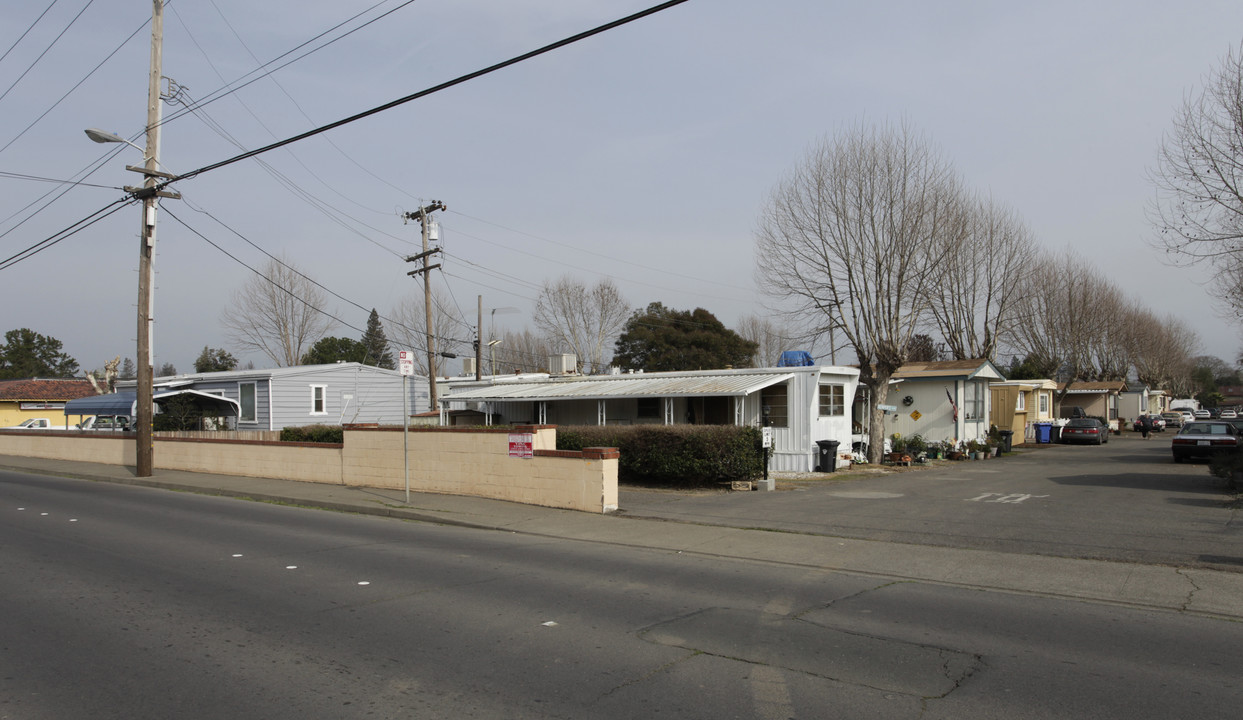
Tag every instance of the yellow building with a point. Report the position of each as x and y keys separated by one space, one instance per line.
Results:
x=1018 y=404
x=39 y=398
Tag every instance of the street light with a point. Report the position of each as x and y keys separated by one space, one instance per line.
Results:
x=100 y=136
x=491 y=362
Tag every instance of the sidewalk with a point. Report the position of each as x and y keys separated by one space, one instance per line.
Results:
x=1193 y=590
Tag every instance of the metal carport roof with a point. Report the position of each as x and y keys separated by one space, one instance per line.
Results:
x=122 y=403
x=625 y=386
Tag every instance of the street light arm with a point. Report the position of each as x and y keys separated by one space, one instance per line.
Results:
x=100 y=136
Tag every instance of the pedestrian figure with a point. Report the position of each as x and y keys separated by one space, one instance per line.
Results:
x=1145 y=426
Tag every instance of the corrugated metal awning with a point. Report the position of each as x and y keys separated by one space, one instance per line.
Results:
x=625 y=386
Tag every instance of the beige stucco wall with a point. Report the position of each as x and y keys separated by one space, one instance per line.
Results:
x=451 y=461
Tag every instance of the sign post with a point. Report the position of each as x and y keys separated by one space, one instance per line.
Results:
x=405 y=365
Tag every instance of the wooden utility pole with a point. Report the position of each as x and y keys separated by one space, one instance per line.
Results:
x=145 y=409
x=423 y=216
x=479 y=343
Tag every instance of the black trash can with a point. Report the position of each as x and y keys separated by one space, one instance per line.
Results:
x=1007 y=437
x=828 y=455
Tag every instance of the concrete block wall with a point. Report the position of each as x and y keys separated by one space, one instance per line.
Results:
x=477 y=462
x=457 y=461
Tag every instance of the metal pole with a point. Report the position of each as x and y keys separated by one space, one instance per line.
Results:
x=144 y=453
x=405 y=430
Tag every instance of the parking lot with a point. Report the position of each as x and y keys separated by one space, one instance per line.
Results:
x=1125 y=501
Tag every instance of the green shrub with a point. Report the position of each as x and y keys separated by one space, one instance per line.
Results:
x=673 y=455
x=313 y=434
x=1228 y=467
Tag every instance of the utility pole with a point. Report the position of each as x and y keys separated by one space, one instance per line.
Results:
x=479 y=343
x=423 y=216
x=145 y=408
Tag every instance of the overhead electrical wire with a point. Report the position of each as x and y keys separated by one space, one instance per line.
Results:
x=292 y=269
x=50 y=45
x=429 y=91
x=26 y=32
x=73 y=229
x=233 y=87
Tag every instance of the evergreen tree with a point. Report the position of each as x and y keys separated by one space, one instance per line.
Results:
x=214 y=360
x=335 y=349
x=376 y=344
x=659 y=338
x=127 y=370
x=27 y=354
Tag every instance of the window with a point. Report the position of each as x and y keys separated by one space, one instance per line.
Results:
x=776 y=403
x=832 y=400
x=1021 y=406
x=318 y=393
x=973 y=401
x=1044 y=403
x=649 y=408
x=1113 y=407
x=246 y=397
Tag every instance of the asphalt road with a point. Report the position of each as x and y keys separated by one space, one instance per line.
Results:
x=123 y=602
x=1125 y=501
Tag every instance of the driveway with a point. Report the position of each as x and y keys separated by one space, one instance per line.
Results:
x=1124 y=501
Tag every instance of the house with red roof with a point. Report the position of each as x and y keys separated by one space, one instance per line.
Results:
x=39 y=397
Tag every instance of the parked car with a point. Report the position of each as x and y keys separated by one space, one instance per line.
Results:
x=35 y=424
x=1204 y=438
x=1202 y=415
x=1228 y=415
x=1085 y=430
x=1172 y=419
x=1157 y=423
x=1188 y=416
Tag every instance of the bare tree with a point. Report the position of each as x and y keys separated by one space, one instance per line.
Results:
x=770 y=338
x=980 y=278
x=1199 y=177
x=850 y=237
x=1072 y=319
x=407 y=325
x=279 y=312
x=521 y=352
x=1162 y=352
x=583 y=320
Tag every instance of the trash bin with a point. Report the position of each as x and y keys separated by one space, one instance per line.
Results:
x=1055 y=433
x=1043 y=432
x=827 y=461
x=1007 y=437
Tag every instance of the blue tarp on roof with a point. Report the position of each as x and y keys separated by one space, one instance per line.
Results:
x=796 y=358
x=121 y=403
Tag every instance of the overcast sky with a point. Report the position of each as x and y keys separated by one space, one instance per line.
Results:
x=643 y=154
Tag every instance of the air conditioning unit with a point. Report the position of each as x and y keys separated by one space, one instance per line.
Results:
x=468 y=366
x=563 y=364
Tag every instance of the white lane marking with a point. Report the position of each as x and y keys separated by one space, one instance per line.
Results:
x=1011 y=498
x=364 y=582
x=291 y=567
x=237 y=555
x=550 y=623
x=865 y=495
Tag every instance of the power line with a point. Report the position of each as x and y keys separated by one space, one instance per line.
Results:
x=46 y=10
x=47 y=49
x=73 y=229
x=435 y=89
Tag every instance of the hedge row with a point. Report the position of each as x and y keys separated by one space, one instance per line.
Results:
x=313 y=434
x=673 y=455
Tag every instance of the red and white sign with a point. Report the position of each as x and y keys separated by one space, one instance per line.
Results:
x=521 y=445
x=405 y=362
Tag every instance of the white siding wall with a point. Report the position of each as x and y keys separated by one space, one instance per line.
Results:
x=350 y=396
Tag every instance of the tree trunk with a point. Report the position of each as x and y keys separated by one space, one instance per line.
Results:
x=878 y=385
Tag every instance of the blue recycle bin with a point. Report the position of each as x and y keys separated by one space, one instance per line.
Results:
x=1043 y=433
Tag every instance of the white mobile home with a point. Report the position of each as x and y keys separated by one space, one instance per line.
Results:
x=801 y=404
